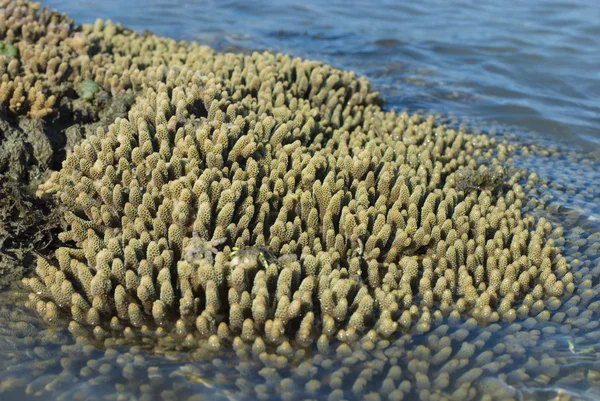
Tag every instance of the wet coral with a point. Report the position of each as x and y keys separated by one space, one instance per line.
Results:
x=261 y=224
x=456 y=360
x=41 y=71
x=366 y=202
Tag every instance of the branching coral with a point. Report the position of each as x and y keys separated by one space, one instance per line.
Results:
x=294 y=160
x=267 y=206
x=41 y=57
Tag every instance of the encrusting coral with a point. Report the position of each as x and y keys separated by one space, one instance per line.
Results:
x=267 y=206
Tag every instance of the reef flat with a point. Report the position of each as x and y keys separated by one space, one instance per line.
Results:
x=256 y=226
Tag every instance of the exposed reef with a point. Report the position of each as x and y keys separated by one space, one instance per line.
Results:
x=48 y=103
x=48 y=88
x=256 y=225
x=297 y=157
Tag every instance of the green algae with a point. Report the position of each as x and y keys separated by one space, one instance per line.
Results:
x=87 y=89
x=8 y=50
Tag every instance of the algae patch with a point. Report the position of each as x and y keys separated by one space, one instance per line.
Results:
x=8 y=50
x=87 y=89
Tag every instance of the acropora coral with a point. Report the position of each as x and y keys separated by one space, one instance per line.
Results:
x=266 y=205
x=46 y=65
x=265 y=150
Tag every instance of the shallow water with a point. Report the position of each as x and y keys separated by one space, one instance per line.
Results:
x=528 y=71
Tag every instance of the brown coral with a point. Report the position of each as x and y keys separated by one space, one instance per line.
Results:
x=205 y=157
x=267 y=207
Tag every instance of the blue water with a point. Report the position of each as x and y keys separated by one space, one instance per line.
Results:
x=533 y=65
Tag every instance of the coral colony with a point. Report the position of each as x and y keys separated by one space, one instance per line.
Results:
x=263 y=215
